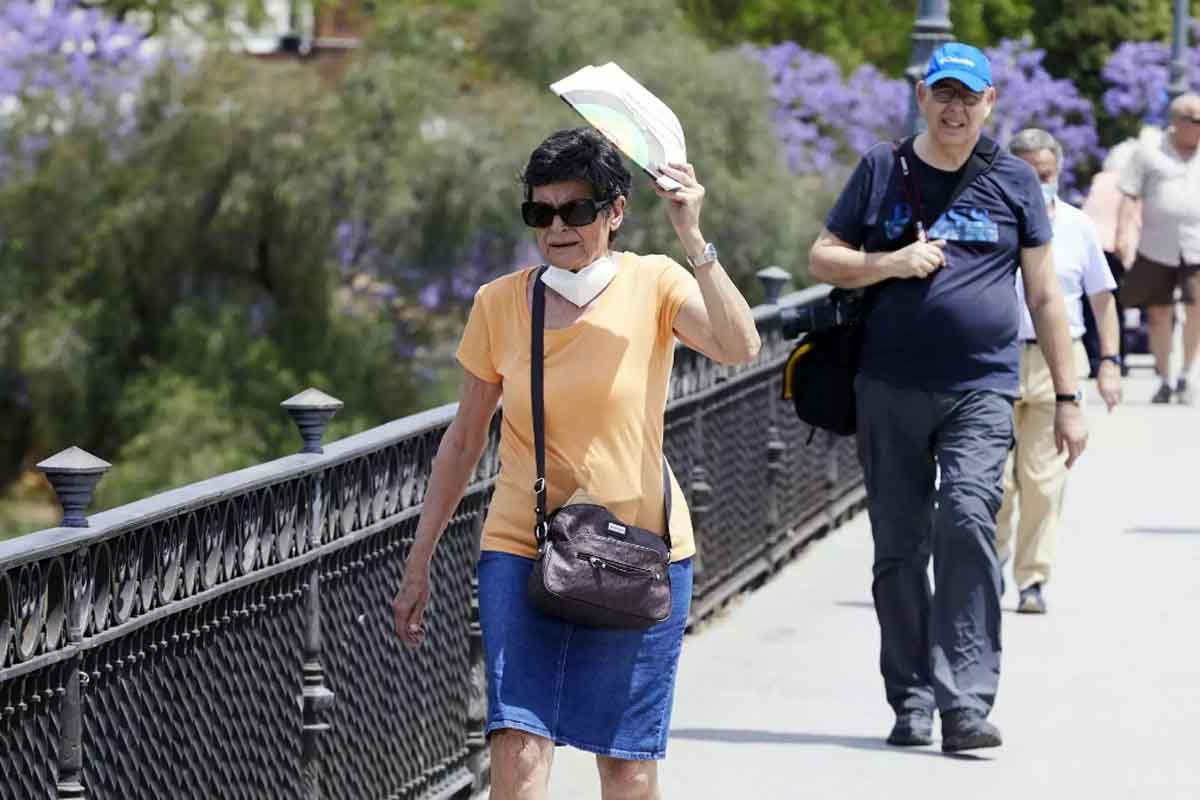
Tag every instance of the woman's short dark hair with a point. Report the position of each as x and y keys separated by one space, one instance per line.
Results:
x=581 y=154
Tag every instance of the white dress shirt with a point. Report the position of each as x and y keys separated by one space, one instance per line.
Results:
x=1079 y=263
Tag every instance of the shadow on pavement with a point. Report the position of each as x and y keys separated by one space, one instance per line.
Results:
x=1165 y=529
x=743 y=736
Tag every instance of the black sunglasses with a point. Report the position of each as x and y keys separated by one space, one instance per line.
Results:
x=574 y=213
x=1188 y=118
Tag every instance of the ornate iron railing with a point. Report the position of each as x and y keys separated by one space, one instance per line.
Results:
x=232 y=639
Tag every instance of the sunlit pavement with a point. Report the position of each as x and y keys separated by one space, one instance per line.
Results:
x=781 y=698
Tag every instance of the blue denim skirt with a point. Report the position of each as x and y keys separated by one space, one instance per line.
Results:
x=601 y=690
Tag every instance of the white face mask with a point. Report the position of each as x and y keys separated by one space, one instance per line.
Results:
x=1049 y=192
x=581 y=287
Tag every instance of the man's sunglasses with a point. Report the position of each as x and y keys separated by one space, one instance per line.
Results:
x=1188 y=118
x=575 y=213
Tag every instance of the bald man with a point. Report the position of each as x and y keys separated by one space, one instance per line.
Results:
x=1166 y=178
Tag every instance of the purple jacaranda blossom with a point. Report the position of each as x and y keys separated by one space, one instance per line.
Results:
x=826 y=120
x=430 y=296
x=1137 y=74
x=351 y=240
x=1029 y=97
x=68 y=60
x=822 y=118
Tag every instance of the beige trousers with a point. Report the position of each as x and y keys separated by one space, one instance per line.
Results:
x=1035 y=477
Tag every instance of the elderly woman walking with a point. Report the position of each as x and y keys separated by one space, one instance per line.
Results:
x=610 y=323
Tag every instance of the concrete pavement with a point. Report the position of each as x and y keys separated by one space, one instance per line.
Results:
x=1100 y=699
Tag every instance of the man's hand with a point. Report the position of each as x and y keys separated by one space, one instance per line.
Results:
x=1109 y=382
x=918 y=260
x=1070 y=431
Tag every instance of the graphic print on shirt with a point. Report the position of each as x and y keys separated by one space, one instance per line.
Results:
x=969 y=224
x=897 y=221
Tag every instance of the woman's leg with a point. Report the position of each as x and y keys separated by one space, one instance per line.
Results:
x=622 y=779
x=520 y=765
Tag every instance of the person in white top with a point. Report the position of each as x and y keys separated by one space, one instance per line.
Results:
x=1167 y=180
x=1036 y=474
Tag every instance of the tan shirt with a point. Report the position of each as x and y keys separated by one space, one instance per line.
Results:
x=606 y=381
x=1169 y=187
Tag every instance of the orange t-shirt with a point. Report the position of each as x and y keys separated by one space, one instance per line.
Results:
x=606 y=380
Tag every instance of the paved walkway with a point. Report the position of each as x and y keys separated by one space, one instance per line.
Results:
x=1100 y=699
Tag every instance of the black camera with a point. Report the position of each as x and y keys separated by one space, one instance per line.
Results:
x=839 y=307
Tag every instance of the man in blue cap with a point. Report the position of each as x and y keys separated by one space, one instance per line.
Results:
x=938 y=225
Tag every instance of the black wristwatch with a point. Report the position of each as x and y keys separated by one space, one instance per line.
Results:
x=1076 y=398
x=1113 y=358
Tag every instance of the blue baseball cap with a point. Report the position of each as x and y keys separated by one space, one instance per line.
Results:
x=962 y=63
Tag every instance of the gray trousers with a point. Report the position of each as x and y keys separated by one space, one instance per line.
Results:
x=933 y=464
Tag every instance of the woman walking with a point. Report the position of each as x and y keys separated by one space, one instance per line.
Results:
x=610 y=321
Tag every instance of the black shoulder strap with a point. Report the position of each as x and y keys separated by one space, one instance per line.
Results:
x=538 y=401
x=982 y=158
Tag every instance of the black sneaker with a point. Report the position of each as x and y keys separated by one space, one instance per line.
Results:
x=1031 y=601
x=1163 y=395
x=912 y=730
x=964 y=729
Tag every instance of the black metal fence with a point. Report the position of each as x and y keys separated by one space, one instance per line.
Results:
x=232 y=639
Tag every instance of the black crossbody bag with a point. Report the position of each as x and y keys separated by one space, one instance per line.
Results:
x=818 y=376
x=592 y=568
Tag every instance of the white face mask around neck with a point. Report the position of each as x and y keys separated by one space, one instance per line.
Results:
x=582 y=287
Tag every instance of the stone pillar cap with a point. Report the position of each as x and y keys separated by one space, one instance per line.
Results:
x=74 y=461
x=312 y=399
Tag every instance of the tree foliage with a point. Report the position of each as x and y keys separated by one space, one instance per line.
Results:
x=854 y=32
x=456 y=220
x=1079 y=36
x=176 y=281
x=190 y=250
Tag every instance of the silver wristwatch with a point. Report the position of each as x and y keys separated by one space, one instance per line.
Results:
x=708 y=256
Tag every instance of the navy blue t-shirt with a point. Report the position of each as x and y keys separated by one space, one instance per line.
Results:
x=957 y=329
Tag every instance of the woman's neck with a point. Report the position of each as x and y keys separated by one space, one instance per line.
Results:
x=940 y=156
x=577 y=270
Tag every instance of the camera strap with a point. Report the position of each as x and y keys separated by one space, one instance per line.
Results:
x=982 y=158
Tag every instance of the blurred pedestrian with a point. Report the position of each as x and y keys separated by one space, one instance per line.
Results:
x=1035 y=476
x=1166 y=179
x=1102 y=206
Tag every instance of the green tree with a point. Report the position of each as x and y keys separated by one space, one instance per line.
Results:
x=1079 y=36
x=489 y=107
x=250 y=231
x=174 y=283
x=853 y=32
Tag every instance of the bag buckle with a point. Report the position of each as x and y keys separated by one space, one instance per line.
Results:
x=539 y=486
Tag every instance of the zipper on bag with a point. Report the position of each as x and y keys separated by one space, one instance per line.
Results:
x=599 y=563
